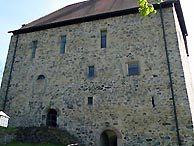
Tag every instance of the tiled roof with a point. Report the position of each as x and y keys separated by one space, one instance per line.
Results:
x=86 y=11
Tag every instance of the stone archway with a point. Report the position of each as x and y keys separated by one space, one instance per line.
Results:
x=108 y=138
x=51 y=118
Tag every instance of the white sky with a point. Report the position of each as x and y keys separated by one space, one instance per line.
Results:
x=14 y=13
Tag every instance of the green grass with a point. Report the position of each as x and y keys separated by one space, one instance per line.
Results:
x=27 y=144
x=46 y=135
x=8 y=130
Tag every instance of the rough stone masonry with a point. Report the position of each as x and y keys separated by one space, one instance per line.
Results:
x=112 y=107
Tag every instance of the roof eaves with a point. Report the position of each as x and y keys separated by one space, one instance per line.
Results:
x=181 y=19
x=88 y=18
x=76 y=20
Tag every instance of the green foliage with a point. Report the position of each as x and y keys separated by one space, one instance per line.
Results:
x=38 y=136
x=8 y=130
x=145 y=8
x=28 y=144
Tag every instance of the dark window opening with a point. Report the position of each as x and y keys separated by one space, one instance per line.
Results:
x=90 y=100
x=39 y=86
x=52 y=118
x=41 y=77
x=133 y=69
x=34 y=46
x=108 y=138
x=153 y=102
x=103 y=39
x=63 y=45
x=91 y=71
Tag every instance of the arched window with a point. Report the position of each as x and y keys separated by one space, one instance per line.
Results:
x=40 y=77
x=39 y=85
x=51 y=118
x=108 y=138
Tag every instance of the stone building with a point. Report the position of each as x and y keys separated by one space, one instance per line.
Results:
x=104 y=73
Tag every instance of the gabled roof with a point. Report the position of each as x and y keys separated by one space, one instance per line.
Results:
x=3 y=114
x=84 y=9
x=89 y=11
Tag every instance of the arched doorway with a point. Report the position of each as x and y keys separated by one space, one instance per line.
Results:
x=108 y=138
x=51 y=118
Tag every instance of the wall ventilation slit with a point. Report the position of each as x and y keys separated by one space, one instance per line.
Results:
x=153 y=103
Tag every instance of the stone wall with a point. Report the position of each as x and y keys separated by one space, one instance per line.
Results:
x=185 y=66
x=7 y=71
x=138 y=109
x=6 y=138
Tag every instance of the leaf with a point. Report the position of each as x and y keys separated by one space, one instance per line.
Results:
x=145 y=8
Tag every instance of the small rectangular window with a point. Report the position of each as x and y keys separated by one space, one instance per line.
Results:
x=34 y=46
x=103 y=38
x=63 y=45
x=133 y=69
x=90 y=100
x=91 y=71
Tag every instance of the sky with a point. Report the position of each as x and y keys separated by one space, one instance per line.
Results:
x=14 y=13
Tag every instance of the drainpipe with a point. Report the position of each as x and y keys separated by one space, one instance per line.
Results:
x=9 y=79
x=170 y=79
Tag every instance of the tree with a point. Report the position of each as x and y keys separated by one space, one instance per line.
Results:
x=145 y=8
